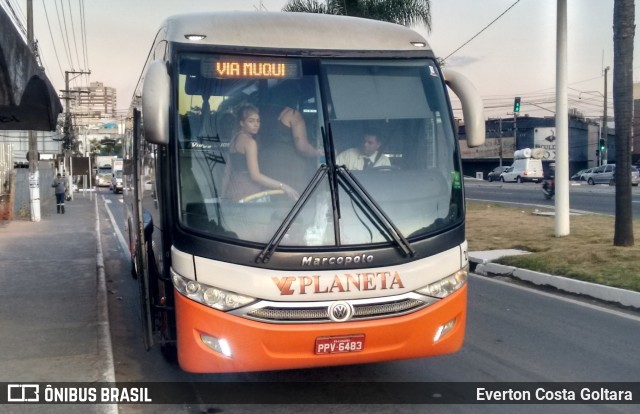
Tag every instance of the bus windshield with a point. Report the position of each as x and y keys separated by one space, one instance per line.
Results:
x=251 y=126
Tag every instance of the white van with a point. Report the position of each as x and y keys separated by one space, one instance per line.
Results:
x=524 y=169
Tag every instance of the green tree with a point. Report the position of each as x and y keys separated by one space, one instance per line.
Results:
x=623 y=34
x=404 y=12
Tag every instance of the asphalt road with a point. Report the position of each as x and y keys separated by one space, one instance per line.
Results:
x=514 y=334
x=594 y=198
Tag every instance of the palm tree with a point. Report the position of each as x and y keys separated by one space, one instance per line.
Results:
x=623 y=34
x=313 y=6
x=404 y=12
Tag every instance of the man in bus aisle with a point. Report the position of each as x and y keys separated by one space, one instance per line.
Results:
x=368 y=156
x=285 y=146
x=60 y=185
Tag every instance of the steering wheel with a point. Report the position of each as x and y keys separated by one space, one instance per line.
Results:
x=262 y=194
x=385 y=168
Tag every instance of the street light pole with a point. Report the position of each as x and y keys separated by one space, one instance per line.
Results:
x=562 y=227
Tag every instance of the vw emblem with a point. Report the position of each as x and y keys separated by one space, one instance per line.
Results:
x=340 y=311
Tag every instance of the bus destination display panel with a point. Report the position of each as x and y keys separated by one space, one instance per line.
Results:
x=239 y=67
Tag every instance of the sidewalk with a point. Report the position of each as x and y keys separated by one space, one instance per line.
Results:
x=53 y=315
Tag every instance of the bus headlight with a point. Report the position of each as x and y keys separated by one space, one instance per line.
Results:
x=213 y=297
x=446 y=286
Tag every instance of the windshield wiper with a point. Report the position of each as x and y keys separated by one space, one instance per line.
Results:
x=267 y=252
x=357 y=192
x=333 y=181
x=324 y=170
x=338 y=175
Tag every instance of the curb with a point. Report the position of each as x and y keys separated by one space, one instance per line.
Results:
x=601 y=292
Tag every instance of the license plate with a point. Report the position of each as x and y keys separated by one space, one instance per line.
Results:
x=339 y=344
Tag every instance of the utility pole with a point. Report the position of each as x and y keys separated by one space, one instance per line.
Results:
x=68 y=127
x=604 y=155
x=34 y=174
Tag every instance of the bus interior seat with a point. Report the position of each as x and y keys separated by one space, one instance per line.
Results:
x=208 y=122
x=226 y=123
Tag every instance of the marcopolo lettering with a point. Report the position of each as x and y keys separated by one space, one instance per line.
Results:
x=337 y=260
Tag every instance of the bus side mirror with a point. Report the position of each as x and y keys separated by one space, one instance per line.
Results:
x=472 y=108
x=156 y=91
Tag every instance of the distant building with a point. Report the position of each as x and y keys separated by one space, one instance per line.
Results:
x=89 y=105
x=93 y=110
x=533 y=132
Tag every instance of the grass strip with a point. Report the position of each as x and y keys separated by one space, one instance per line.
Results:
x=587 y=253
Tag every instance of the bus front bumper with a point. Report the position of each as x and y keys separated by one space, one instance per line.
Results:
x=257 y=346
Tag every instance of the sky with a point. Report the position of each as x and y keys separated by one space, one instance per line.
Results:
x=514 y=56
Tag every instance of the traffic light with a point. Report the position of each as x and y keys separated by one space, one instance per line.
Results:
x=516 y=105
x=602 y=145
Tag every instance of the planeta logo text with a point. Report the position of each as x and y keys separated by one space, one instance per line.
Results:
x=349 y=282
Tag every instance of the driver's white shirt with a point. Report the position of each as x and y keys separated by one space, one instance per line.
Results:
x=353 y=159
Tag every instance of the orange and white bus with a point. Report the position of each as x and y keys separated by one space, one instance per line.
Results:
x=347 y=266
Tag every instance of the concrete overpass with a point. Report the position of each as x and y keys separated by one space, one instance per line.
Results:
x=28 y=101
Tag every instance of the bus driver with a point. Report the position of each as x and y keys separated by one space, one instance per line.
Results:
x=368 y=156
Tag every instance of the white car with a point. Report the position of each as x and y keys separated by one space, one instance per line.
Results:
x=524 y=169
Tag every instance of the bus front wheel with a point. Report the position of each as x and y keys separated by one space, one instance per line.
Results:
x=169 y=352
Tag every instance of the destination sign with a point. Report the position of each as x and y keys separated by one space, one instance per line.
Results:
x=232 y=67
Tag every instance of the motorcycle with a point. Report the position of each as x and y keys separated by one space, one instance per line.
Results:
x=549 y=188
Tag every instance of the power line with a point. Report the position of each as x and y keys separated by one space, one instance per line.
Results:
x=55 y=51
x=64 y=41
x=83 y=28
x=485 y=28
x=73 y=30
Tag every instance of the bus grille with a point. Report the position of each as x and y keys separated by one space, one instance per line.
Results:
x=320 y=313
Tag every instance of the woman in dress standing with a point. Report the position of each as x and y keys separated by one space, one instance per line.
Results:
x=244 y=176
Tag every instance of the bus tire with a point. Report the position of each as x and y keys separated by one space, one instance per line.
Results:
x=134 y=272
x=169 y=353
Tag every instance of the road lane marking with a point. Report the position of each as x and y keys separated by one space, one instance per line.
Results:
x=116 y=228
x=547 y=206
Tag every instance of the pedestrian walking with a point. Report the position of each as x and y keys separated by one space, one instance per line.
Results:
x=60 y=184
